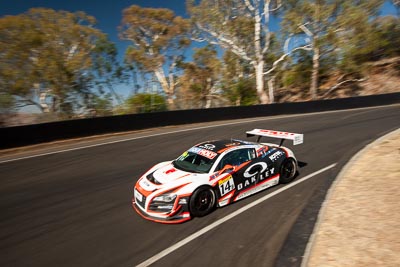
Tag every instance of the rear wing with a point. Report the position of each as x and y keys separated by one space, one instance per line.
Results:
x=297 y=138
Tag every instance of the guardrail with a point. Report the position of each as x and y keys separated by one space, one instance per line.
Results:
x=45 y=132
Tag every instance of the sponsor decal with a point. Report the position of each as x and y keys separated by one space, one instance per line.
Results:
x=208 y=146
x=203 y=152
x=261 y=151
x=226 y=185
x=195 y=150
x=207 y=153
x=277 y=133
x=215 y=175
x=276 y=155
x=170 y=171
x=254 y=169
x=266 y=184
x=251 y=174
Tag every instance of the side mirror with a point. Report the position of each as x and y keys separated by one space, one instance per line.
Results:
x=227 y=168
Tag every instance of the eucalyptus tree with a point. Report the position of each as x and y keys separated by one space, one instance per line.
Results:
x=239 y=26
x=242 y=27
x=328 y=24
x=47 y=58
x=203 y=75
x=158 y=39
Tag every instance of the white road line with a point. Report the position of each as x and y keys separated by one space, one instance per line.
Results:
x=135 y=138
x=186 y=130
x=188 y=239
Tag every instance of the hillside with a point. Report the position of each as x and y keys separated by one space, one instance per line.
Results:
x=380 y=77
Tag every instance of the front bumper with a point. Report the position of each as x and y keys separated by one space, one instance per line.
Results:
x=179 y=214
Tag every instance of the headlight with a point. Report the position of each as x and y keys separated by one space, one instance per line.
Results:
x=165 y=198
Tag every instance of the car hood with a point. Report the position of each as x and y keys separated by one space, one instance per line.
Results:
x=169 y=173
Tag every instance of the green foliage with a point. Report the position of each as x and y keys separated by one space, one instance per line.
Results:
x=238 y=86
x=56 y=53
x=158 y=40
x=7 y=103
x=339 y=31
x=201 y=75
x=241 y=93
x=143 y=103
x=379 y=39
x=100 y=105
x=298 y=74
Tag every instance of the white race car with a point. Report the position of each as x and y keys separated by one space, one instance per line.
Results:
x=214 y=174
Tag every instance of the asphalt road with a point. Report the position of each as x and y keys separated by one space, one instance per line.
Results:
x=73 y=208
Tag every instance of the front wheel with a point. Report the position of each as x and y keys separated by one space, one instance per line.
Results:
x=288 y=171
x=202 y=201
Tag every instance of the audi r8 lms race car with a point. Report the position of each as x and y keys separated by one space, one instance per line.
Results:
x=214 y=174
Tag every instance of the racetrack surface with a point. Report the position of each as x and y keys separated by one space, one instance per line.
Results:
x=74 y=208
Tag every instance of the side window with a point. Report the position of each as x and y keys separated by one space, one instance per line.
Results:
x=237 y=157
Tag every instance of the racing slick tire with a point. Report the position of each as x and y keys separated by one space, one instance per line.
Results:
x=288 y=171
x=202 y=201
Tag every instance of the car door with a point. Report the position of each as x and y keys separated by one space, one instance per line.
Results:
x=235 y=162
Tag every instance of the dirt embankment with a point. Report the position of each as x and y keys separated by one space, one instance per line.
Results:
x=359 y=224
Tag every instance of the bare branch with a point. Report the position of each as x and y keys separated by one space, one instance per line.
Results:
x=249 y=6
x=340 y=84
x=275 y=64
x=266 y=29
x=226 y=42
x=306 y=30
x=278 y=6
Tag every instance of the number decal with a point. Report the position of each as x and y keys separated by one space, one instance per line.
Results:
x=226 y=185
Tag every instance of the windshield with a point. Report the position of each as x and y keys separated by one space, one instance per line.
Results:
x=190 y=161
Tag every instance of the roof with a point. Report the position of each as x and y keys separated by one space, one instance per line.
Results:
x=219 y=146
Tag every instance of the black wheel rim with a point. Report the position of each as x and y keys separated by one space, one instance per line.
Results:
x=288 y=169
x=204 y=200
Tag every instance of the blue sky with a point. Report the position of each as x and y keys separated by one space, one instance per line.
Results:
x=109 y=13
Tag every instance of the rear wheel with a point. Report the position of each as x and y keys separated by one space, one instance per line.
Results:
x=288 y=171
x=202 y=201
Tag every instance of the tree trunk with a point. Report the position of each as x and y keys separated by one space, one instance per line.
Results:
x=259 y=64
x=271 y=83
x=262 y=95
x=315 y=73
x=42 y=100
x=170 y=101
x=168 y=88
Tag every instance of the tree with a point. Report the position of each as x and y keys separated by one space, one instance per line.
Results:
x=242 y=27
x=158 y=38
x=202 y=75
x=324 y=22
x=107 y=71
x=238 y=83
x=396 y=3
x=48 y=58
x=100 y=106
x=143 y=103
x=239 y=26
x=379 y=40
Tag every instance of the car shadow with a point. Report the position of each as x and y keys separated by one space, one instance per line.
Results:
x=302 y=164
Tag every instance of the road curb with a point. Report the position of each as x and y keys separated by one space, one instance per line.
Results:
x=321 y=216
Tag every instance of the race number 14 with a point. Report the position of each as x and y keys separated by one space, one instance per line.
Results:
x=226 y=185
